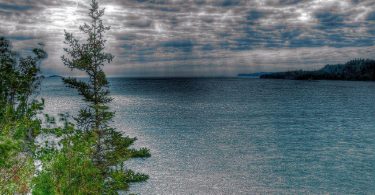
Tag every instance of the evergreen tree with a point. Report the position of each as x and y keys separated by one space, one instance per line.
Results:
x=111 y=148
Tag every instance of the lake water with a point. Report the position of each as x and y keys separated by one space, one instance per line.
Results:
x=243 y=136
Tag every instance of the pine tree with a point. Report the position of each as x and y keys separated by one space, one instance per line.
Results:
x=111 y=148
x=90 y=58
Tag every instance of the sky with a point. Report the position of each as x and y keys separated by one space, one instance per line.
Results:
x=184 y=38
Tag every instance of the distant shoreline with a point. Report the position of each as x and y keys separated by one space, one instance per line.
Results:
x=54 y=76
x=354 y=70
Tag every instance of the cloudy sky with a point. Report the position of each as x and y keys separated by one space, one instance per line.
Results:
x=201 y=37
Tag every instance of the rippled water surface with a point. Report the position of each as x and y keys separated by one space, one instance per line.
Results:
x=243 y=136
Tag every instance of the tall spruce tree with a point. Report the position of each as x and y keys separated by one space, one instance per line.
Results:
x=111 y=148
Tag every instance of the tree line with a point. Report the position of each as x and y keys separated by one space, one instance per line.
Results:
x=355 y=70
x=90 y=154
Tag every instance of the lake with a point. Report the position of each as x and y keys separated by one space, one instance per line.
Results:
x=243 y=136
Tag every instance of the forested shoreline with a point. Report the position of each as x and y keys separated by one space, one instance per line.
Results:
x=90 y=154
x=354 y=70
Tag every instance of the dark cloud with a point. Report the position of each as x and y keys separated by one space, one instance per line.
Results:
x=226 y=3
x=281 y=3
x=328 y=20
x=202 y=37
x=254 y=15
x=138 y=22
x=19 y=38
x=14 y=7
x=371 y=16
x=183 y=45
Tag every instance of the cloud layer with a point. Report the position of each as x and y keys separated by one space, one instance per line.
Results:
x=202 y=37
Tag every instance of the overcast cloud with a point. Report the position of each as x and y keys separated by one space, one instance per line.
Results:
x=201 y=37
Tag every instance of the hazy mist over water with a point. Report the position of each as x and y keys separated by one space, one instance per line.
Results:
x=243 y=136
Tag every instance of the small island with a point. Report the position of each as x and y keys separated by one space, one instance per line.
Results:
x=354 y=70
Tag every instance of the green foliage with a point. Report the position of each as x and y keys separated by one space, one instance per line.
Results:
x=88 y=156
x=16 y=154
x=20 y=76
x=69 y=170
x=141 y=153
x=88 y=161
x=358 y=70
x=8 y=148
x=121 y=178
x=18 y=124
